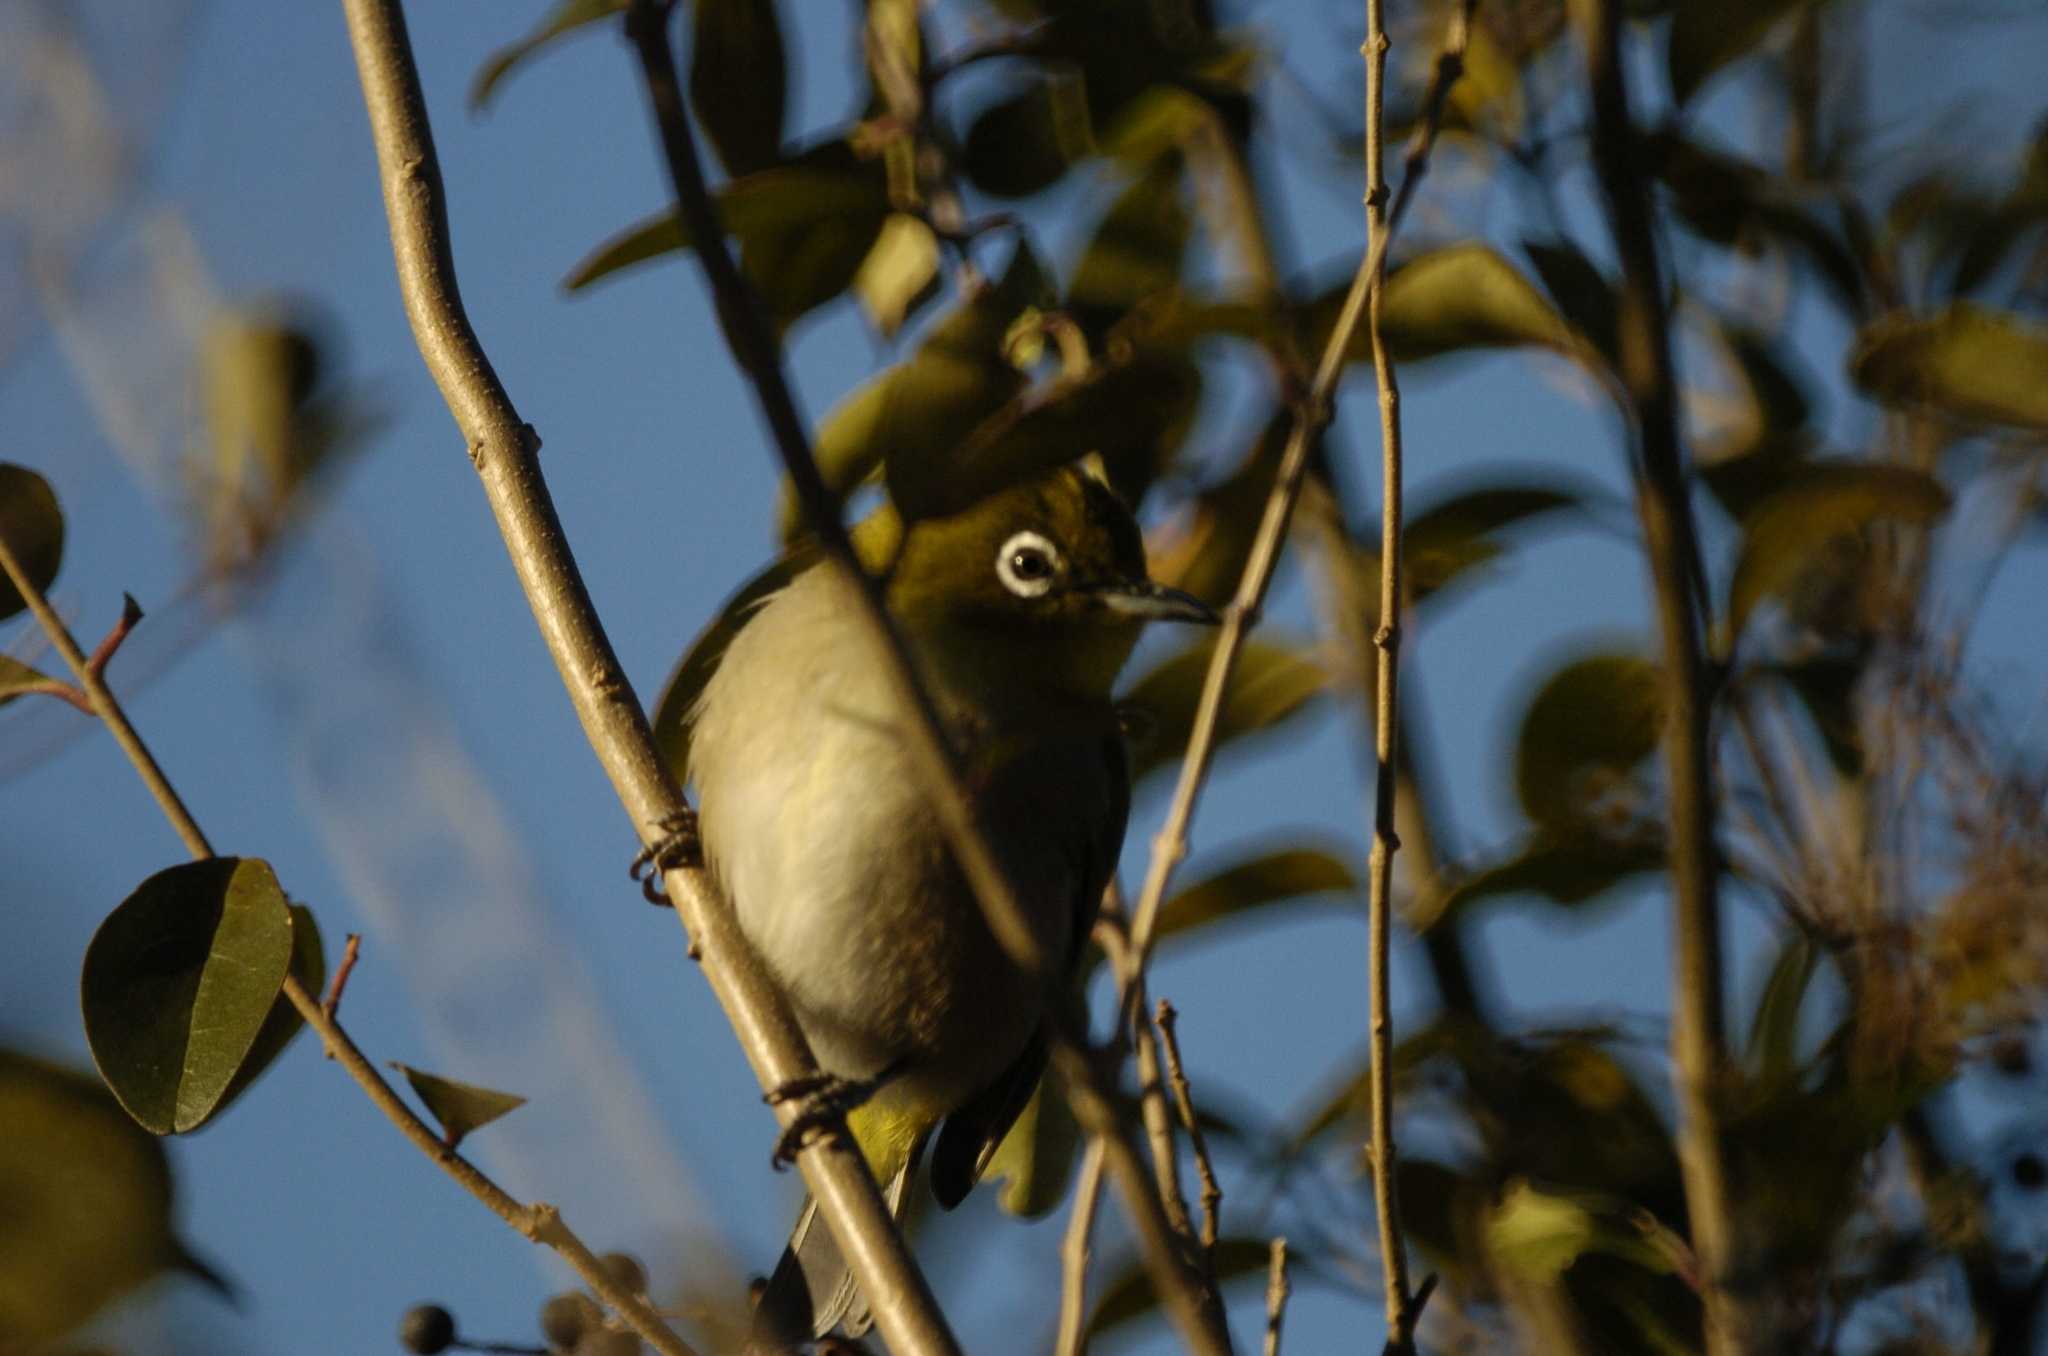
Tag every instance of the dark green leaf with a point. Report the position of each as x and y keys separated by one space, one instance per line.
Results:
x=1021 y=143
x=459 y=1107
x=1454 y=299
x=1565 y=871
x=1823 y=504
x=738 y=81
x=1139 y=247
x=1285 y=876
x=1739 y=483
x=566 y=17
x=88 y=1202
x=1129 y=1294
x=1774 y=1028
x=1272 y=683
x=1581 y=292
x=1966 y=361
x=309 y=967
x=33 y=527
x=1453 y=535
x=178 y=983
x=1708 y=34
x=17 y=678
x=1826 y=686
x=1593 y=721
x=686 y=681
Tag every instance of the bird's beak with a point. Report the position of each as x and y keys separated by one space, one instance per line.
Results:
x=1147 y=601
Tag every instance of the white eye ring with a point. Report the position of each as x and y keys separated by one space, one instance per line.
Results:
x=1027 y=563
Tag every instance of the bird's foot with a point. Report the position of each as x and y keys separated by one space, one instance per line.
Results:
x=824 y=1101
x=678 y=847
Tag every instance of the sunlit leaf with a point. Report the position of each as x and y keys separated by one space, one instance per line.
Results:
x=88 y=1202
x=17 y=678
x=1451 y=300
x=1708 y=34
x=566 y=17
x=1128 y=1294
x=309 y=967
x=33 y=527
x=1824 y=503
x=738 y=81
x=1488 y=93
x=179 y=982
x=1254 y=885
x=1273 y=682
x=1591 y=723
x=459 y=1107
x=1540 y=1232
x=899 y=275
x=1966 y=361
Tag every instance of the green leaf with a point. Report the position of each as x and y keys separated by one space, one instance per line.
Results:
x=1022 y=143
x=1129 y=1294
x=566 y=17
x=1273 y=682
x=1821 y=505
x=1540 y=1233
x=1774 y=1028
x=1708 y=34
x=1826 y=686
x=1284 y=876
x=1580 y=291
x=1967 y=361
x=1566 y=871
x=673 y=712
x=899 y=275
x=33 y=527
x=1458 y=298
x=178 y=983
x=17 y=678
x=1035 y=1161
x=459 y=1107
x=309 y=967
x=1453 y=535
x=1591 y=723
x=88 y=1202
x=738 y=81
x=1141 y=243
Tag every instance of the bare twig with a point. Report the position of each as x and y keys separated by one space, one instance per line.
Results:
x=1158 y=1121
x=131 y=615
x=350 y=950
x=1184 y=1103
x=755 y=346
x=1697 y=1037
x=1277 y=1291
x=539 y=1222
x=504 y=450
x=1075 y=1252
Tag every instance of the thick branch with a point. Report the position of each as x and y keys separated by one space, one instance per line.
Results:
x=1648 y=377
x=504 y=450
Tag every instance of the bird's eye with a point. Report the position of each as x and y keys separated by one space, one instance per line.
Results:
x=1026 y=564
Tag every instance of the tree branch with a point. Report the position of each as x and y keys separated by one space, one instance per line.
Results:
x=1677 y=580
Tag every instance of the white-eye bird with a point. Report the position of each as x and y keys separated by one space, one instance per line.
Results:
x=1019 y=613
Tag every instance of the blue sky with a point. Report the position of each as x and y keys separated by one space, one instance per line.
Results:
x=381 y=722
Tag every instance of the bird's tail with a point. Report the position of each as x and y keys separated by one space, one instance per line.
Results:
x=812 y=1290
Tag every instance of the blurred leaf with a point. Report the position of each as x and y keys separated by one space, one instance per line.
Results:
x=1580 y=291
x=17 y=677
x=565 y=17
x=738 y=81
x=1207 y=555
x=1540 y=1232
x=1139 y=246
x=1824 y=503
x=686 y=681
x=1774 y=1027
x=1454 y=535
x=1161 y=121
x=1449 y=300
x=1035 y=1161
x=1283 y=876
x=1488 y=93
x=1566 y=871
x=1273 y=682
x=1727 y=199
x=1129 y=1295
x=33 y=527
x=899 y=275
x=1592 y=722
x=1022 y=143
x=179 y=982
x=88 y=1202
x=309 y=967
x=1826 y=686
x=1739 y=483
x=459 y=1107
x=1708 y=34
x=1438 y=1207
x=1966 y=361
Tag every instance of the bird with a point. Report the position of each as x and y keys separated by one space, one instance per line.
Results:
x=1018 y=613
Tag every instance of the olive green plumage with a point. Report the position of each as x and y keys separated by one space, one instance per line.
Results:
x=1019 y=612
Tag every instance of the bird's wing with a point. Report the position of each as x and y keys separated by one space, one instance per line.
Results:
x=972 y=1133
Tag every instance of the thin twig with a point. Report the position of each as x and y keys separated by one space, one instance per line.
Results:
x=1277 y=1291
x=1158 y=1121
x=759 y=354
x=504 y=450
x=539 y=1222
x=1075 y=1252
x=103 y=653
x=351 y=949
x=1184 y=1102
x=1697 y=1036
